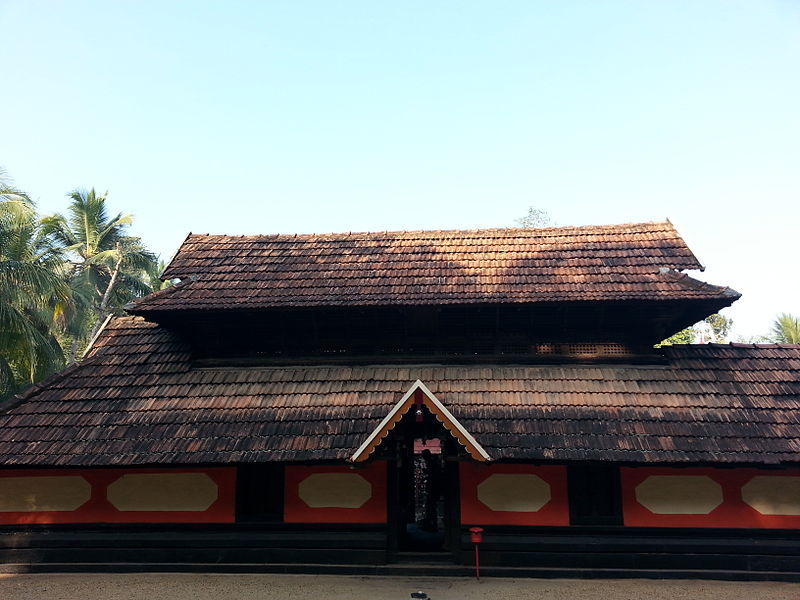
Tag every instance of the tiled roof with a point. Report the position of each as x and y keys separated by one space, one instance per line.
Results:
x=137 y=400
x=620 y=262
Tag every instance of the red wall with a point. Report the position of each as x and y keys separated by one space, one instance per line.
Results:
x=732 y=513
x=475 y=512
x=99 y=510
x=372 y=511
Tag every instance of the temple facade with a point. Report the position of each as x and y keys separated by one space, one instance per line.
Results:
x=356 y=402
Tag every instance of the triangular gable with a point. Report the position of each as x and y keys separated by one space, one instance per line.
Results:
x=447 y=419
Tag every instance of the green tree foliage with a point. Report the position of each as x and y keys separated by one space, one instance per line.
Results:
x=108 y=267
x=785 y=330
x=714 y=328
x=684 y=336
x=719 y=328
x=60 y=277
x=154 y=277
x=34 y=295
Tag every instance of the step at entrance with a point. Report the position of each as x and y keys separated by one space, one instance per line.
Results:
x=423 y=558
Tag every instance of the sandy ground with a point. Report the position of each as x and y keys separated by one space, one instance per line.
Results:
x=330 y=587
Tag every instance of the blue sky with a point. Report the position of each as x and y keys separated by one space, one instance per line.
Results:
x=317 y=116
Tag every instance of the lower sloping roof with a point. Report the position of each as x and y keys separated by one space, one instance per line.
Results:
x=137 y=400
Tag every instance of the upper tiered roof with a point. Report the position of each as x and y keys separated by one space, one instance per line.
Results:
x=642 y=261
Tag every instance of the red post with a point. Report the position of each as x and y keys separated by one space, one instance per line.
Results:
x=477 y=564
x=476 y=537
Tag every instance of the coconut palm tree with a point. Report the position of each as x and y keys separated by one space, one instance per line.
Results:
x=154 y=277
x=785 y=330
x=34 y=295
x=109 y=268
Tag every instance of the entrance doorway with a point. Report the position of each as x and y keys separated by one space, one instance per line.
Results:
x=425 y=511
x=423 y=444
x=423 y=494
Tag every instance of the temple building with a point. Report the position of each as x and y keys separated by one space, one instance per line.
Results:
x=356 y=402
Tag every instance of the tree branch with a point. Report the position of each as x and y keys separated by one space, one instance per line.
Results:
x=102 y=310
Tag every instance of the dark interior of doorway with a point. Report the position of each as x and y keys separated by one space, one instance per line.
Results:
x=424 y=519
x=424 y=510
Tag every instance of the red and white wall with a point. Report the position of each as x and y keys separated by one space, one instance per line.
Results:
x=118 y=496
x=711 y=497
x=651 y=496
x=497 y=494
x=513 y=495
x=335 y=494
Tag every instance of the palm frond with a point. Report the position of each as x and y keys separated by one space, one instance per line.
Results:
x=785 y=330
x=9 y=193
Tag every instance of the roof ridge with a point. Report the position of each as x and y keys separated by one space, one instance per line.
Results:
x=765 y=345
x=87 y=359
x=533 y=231
x=133 y=304
x=172 y=258
x=737 y=345
x=40 y=386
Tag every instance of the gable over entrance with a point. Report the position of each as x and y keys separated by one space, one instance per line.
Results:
x=418 y=395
